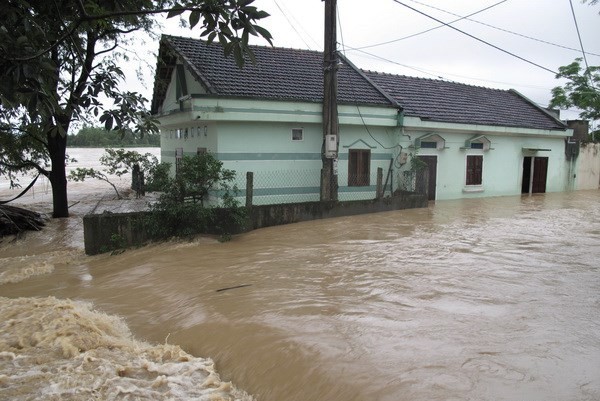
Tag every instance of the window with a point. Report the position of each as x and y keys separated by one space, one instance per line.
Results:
x=200 y=151
x=359 y=167
x=474 y=170
x=429 y=144
x=297 y=134
x=476 y=145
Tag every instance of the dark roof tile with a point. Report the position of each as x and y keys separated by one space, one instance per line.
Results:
x=297 y=75
x=279 y=73
x=453 y=102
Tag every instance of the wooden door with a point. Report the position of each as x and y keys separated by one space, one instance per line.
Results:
x=540 y=174
x=534 y=182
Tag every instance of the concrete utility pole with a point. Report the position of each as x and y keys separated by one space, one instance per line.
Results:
x=329 y=177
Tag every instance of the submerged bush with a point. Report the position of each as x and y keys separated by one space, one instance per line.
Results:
x=199 y=199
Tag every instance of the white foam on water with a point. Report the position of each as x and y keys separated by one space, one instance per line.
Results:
x=55 y=349
x=15 y=274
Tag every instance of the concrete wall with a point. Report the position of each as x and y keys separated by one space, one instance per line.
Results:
x=588 y=166
x=256 y=136
x=109 y=231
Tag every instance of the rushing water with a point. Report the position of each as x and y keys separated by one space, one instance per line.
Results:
x=487 y=299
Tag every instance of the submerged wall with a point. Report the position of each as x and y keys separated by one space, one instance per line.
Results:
x=107 y=231
x=588 y=166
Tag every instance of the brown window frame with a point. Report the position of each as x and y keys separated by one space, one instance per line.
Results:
x=474 y=170
x=359 y=167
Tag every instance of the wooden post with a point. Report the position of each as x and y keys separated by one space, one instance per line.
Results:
x=379 y=193
x=249 y=188
x=329 y=178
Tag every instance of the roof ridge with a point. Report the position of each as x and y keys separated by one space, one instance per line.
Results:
x=389 y=97
x=435 y=80
x=205 y=42
x=200 y=76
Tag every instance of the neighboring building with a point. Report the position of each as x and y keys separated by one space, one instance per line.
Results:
x=266 y=118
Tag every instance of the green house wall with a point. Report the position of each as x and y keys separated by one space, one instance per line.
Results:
x=256 y=135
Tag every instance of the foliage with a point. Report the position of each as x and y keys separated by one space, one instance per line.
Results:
x=158 y=177
x=581 y=90
x=58 y=62
x=198 y=176
x=80 y=174
x=97 y=137
x=120 y=161
x=117 y=162
x=183 y=209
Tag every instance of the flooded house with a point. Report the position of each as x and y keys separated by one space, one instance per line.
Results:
x=267 y=118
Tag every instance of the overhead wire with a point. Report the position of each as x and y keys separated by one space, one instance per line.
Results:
x=358 y=107
x=579 y=36
x=476 y=38
x=293 y=27
x=430 y=29
x=497 y=28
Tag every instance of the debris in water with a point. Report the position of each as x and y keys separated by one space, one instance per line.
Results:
x=14 y=220
x=233 y=288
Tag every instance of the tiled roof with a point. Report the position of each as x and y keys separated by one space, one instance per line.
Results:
x=452 y=102
x=279 y=74
x=297 y=75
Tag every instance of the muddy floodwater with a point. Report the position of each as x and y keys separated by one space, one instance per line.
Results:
x=487 y=299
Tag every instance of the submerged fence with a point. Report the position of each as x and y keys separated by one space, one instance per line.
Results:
x=297 y=186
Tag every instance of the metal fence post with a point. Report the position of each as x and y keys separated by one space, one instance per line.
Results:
x=379 y=192
x=249 y=188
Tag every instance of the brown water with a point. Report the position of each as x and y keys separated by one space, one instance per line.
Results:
x=488 y=299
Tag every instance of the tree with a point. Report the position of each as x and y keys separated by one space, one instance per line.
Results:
x=184 y=208
x=99 y=137
x=57 y=61
x=119 y=162
x=581 y=90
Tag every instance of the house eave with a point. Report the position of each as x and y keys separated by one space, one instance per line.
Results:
x=418 y=124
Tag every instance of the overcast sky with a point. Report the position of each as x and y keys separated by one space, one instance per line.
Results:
x=444 y=53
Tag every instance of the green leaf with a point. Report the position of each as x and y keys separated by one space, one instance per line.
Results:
x=108 y=123
x=175 y=11
x=211 y=37
x=228 y=48
x=260 y=15
x=238 y=55
x=264 y=33
x=194 y=18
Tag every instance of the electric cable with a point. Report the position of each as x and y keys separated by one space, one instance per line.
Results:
x=430 y=29
x=475 y=37
x=499 y=29
x=354 y=93
x=292 y=25
x=398 y=146
x=579 y=36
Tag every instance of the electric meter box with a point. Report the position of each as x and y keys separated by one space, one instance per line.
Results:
x=331 y=146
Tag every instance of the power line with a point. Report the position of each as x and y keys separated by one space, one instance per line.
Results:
x=436 y=74
x=500 y=29
x=292 y=25
x=476 y=38
x=579 y=35
x=431 y=29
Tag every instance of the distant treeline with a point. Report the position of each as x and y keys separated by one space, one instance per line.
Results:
x=94 y=137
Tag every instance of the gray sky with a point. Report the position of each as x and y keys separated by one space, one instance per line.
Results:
x=443 y=52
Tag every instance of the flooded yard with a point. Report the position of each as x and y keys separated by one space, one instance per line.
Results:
x=484 y=299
